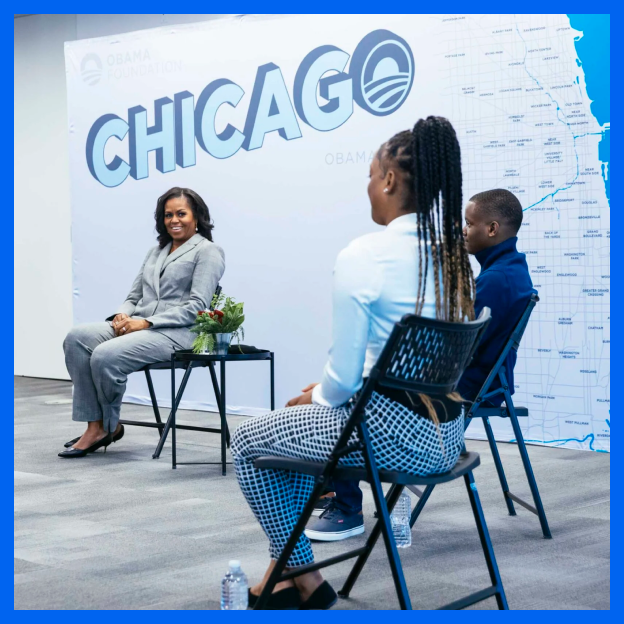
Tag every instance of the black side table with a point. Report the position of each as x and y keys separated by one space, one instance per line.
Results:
x=194 y=360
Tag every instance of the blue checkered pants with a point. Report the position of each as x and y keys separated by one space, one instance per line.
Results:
x=401 y=440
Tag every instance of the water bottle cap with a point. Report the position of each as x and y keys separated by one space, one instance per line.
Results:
x=234 y=564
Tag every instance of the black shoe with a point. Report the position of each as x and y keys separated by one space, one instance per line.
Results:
x=334 y=525
x=323 y=598
x=116 y=437
x=284 y=600
x=321 y=505
x=72 y=452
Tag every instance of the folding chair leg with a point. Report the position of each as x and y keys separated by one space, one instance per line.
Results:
x=499 y=466
x=290 y=546
x=150 y=387
x=528 y=469
x=486 y=543
x=421 y=504
x=165 y=433
x=384 y=519
x=391 y=499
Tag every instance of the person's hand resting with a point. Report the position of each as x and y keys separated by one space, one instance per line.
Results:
x=128 y=325
x=118 y=317
x=115 y=322
x=303 y=399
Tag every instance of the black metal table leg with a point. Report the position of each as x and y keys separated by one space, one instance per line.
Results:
x=192 y=360
x=173 y=414
x=223 y=418
x=175 y=404
x=215 y=383
x=152 y=393
x=215 y=386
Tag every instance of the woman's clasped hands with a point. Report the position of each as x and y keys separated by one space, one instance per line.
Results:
x=123 y=324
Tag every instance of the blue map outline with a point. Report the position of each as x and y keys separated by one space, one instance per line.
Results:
x=596 y=38
x=596 y=30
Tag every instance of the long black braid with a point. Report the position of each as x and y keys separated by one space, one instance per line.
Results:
x=430 y=159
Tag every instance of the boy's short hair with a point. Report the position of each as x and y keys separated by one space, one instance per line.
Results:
x=500 y=205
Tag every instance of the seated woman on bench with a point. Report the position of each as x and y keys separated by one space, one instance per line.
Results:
x=418 y=264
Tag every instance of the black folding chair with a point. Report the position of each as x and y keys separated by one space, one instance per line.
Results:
x=159 y=424
x=478 y=410
x=421 y=356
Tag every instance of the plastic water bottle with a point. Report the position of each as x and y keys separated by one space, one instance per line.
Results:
x=234 y=588
x=400 y=519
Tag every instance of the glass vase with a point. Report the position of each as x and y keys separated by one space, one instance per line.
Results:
x=222 y=343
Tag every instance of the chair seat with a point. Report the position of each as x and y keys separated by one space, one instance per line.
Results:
x=501 y=412
x=466 y=463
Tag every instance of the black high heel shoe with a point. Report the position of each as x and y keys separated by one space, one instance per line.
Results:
x=72 y=452
x=116 y=437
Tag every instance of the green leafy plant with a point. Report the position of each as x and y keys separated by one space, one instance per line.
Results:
x=225 y=317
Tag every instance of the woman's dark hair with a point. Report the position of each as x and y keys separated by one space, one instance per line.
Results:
x=430 y=160
x=197 y=205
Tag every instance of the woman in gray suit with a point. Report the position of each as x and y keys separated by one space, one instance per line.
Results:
x=178 y=279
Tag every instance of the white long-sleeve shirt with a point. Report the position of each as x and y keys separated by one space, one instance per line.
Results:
x=375 y=284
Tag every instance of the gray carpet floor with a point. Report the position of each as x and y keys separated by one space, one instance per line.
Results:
x=119 y=530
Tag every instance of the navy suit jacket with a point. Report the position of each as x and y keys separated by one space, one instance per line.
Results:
x=504 y=285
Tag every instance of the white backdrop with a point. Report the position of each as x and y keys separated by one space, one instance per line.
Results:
x=282 y=211
x=42 y=237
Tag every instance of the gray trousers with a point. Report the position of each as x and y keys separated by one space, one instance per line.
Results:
x=99 y=364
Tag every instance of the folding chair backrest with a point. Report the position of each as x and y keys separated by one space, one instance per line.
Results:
x=518 y=332
x=427 y=355
x=512 y=343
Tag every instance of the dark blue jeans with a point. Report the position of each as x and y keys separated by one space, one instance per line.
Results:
x=348 y=496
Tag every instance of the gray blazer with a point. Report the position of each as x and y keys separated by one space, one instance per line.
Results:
x=171 y=289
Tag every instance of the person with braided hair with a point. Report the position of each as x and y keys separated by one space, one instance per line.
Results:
x=417 y=264
x=427 y=163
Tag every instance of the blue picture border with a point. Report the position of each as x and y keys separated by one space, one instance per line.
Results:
x=399 y=6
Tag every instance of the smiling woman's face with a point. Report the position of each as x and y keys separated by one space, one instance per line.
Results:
x=179 y=220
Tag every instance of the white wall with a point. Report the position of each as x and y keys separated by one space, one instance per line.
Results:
x=42 y=269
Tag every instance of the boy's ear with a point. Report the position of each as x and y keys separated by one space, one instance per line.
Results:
x=493 y=228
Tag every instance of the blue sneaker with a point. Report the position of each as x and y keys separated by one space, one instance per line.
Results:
x=322 y=504
x=334 y=525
